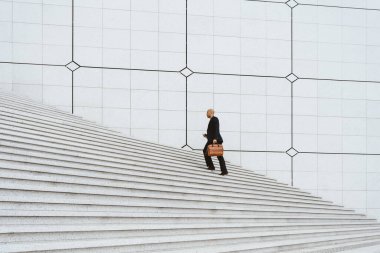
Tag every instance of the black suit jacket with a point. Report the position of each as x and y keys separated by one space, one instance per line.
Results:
x=213 y=130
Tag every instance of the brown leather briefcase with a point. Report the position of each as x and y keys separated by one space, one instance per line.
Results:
x=215 y=150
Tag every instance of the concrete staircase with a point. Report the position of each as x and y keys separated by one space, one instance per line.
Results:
x=69 y=185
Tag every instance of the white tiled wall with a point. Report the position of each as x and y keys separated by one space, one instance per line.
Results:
x=131 y=53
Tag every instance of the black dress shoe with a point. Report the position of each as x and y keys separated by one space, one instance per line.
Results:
x=223 y=174
x=210 y=168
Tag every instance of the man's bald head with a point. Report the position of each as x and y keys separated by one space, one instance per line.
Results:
x=210 y=113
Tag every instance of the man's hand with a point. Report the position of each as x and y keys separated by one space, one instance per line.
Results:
x=214 y=141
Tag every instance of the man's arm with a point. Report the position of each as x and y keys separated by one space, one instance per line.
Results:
x=216 y=129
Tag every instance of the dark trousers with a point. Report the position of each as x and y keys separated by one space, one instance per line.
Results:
x=209 y=162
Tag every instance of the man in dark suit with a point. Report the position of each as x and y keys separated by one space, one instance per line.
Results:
x=213 y=136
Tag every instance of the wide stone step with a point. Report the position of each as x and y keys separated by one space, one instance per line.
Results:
x=87 y=136
x=26 y=105
x=51 y=112
x=150 y=145
x=36 y=107
x=80 y=207
x=16 y=172
x=14 y=109
x=94 y=232
x=154 y=204
x=258 y=241
x=16 y=134
x=130 y=194
x=206 y=178
x=201 y=227
x=108 y=132
x=46 y=214
x=16 y=112
x=133 y=156
x=144 y=188
x=294 y=245
x=365 y=246
x=34 y=164
x=77 y=218
x=258 y=177
x=10 y=98
x=16 y=197
x=45 y=114
x=69 y=156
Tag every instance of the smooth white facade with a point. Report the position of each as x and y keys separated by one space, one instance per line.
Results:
x=131 y=54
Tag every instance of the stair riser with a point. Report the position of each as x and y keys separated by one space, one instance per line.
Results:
x=100 y=131
x=38 y=159
x=55 y=146
x=268 y=227
x=165 y=246
x=294 y=248
x=30 y=104
x=86 y=141
x=94 y=179
x=348 y=247
x=40 y=113
x=65 y=187
x=87 y=137
x=300 y=247
x=198 y=171
x=82 y=199
x=326 y=249
x=70 y=150
x=104 y=220
x=170 y=149
x=73 y=235
x=108 y=132
x=30 y=151
x=20 y=107
x=47 y=205
x=13 y=162
x=146 y=189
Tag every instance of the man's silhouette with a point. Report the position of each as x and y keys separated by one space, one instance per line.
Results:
x=213 y=136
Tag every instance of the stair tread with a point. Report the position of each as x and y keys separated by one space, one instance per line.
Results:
x=67 y=213
x=94 y=180
x=99 y=190
x=72 y=204
x=77 y=244
x=83 y=135
x=116 y=155
x=121 y=163
x=248 y=247
x=101 y=130
x=141 y=178
x=368 y=246
x=144 y=226
x=206 y=177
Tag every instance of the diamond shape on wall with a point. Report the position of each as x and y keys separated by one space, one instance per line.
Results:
x=72 y=66
x=292 y=152
x=186 y=72
x=292 y=3
x=292 y=77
